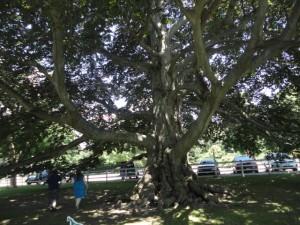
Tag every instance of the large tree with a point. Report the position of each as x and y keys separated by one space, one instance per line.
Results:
x=176 y=63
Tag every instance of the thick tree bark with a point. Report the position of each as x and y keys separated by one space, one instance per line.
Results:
x=169 y=182
x=168 y=179
x=13 y=181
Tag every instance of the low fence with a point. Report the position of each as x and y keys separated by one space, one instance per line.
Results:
x=20 y=180
x=114 y=174
x=221 y=169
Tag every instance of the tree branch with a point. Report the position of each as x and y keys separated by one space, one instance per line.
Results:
x=180 y=23
x=291 y=27
x=257 y=31
x=29 y=107
x=211 y=9
x=8 y=169
x=140 y=65
x=55 y=10
x=259 y=124
x=202 y=60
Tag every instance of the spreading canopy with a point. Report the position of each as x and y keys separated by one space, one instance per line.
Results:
x=178 y=65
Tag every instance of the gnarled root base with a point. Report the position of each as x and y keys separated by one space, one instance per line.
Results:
x=188 y=191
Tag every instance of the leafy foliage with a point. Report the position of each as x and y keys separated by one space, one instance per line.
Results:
x=189 y=71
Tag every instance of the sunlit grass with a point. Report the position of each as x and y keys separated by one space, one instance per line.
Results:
x=5 y=222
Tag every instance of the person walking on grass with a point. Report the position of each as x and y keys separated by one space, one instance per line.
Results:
x=53 y=182
x=80 y=187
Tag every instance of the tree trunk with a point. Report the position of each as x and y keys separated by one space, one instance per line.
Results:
x=168 y=179
x=15 y=156
x=168 y=182
x=13 y=181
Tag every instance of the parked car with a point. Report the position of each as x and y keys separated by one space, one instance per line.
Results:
x=128 y=170
x=37 y=178
x=208 y=166
x=281 y=162
x=244 y=164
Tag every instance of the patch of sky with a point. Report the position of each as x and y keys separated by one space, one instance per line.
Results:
x=28 y=27
x=120 y=102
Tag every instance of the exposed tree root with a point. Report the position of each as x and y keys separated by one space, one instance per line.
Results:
x=190 y=192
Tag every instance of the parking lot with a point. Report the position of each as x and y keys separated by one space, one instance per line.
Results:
x=264 y=167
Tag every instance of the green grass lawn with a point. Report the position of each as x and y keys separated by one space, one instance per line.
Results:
x=257 y=200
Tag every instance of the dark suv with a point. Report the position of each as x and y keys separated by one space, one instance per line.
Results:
x=37 y=178
x=128 y=170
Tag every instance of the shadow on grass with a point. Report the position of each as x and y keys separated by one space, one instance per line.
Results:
x=257 y=200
